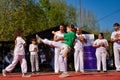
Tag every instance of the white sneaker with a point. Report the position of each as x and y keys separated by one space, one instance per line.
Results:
x=26 y=75
x=118 y=70
x=64 y=75
x=82 y=71
x=4 y=73
x=39 y=40
x=56 y=72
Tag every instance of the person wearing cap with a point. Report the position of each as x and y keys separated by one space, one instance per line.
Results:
x=65 y=47
x=115 y=38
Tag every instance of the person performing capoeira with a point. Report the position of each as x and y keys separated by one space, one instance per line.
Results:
x=65 y=47
x=19 y=55
x=57 y=38
x=79 y=50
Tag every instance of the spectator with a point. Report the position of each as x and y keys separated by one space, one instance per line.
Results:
x=8 y=59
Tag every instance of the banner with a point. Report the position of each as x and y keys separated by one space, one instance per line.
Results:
x=89 y=53
x=90 y=39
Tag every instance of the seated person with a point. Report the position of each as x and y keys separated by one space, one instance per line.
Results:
x=42 y=57
x=8 y=59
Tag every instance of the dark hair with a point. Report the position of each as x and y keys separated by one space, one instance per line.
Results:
x=72 y=27
x=116 y=24
x=102 y=35
x=33 y=39
x=62 y=25
x=17 y=32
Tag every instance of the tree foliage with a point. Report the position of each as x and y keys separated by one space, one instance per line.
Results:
x=90 y=23
x=107 y=33
x=32 y=16
x=36 y=15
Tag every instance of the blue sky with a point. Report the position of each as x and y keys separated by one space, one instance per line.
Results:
x=107 y=11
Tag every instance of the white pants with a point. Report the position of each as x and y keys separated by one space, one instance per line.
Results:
x=101 y=57
x=117 y=58
x=78 y=60
x=63 y=53
x=23 y=63
x=56 y=60
x=34 y=62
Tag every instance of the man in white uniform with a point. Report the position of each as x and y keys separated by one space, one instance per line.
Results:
x=115 y=38
x=57 y=50
x=78 y=55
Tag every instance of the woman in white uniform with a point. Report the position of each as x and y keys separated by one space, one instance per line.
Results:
x=65 y=47
x=19 y=55
x=101 y=45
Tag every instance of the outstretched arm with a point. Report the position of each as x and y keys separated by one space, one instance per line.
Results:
x=56 y=38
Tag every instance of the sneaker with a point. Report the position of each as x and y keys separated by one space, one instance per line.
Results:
x=37 y=72
x=82 y=71
x=33 y=72
x=98 y=70
x=56 y=72
x=118 y=70
x=26 y=75
x=4 y=73
x=39 y=40
x=64 y=75
x=105 y=71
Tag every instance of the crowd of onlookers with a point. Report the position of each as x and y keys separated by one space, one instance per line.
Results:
x=45 y=59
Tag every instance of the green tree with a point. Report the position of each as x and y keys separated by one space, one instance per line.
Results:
x=90 y=23
x=107 y=34
x=33 y=16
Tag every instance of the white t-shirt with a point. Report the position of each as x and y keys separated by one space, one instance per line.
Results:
x=59 y=34
x=116 y=44
x=19 y=46
x=33 y=48
x=98 y=42
x=78 y=44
